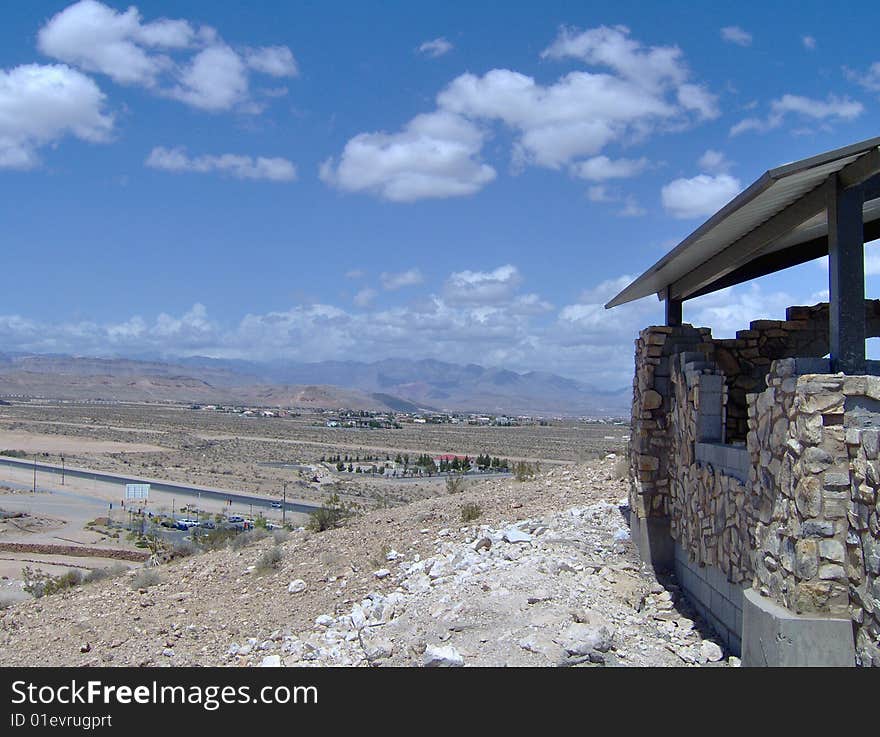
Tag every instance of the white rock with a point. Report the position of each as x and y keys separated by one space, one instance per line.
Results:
x=513 y=535
x=444 y=656
x=392 y=555
x=382 y=573
x=271 y=661
x=325 y=620
x=296 y=587
x=710 y=651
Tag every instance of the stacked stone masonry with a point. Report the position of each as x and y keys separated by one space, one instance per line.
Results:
x=783 y=498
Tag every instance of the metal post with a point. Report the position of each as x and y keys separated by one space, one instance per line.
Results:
x=62 y=470
x=35 y=474
x=284 y=505
x=846 y=280
x=673 y=311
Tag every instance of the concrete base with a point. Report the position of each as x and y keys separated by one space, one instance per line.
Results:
x=653 y=541
x=776 y=637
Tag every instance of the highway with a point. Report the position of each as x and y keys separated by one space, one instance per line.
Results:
x=159 y=485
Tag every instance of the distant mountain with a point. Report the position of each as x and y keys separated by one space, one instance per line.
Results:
x=398 y=384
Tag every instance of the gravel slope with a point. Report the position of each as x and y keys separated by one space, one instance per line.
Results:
x=546 y=575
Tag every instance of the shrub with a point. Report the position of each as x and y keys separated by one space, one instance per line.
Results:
x=13 y=453
x=270 y=559
x=331 y=514
x=249 y=537
x=470 y=512
x=281 y=536
x=523 y=471
x=454 y=484
x=145 y=578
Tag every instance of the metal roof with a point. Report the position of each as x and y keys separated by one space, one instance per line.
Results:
x=769 y=195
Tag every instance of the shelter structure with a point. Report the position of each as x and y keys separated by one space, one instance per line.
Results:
x=755 y=461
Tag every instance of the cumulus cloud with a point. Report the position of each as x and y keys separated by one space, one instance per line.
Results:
x=273 y=169
x=365 y=297
x=276 y=61
x=736 y=35
x=171 y=57
x=714 y=162
x=409 y=278
x=869 y=79
x=482 y=287
x=699 y=196
x=437 y=47
x=436 y=155
x=600 y=168
x=833 y=108
x=499 y=326
x=637 y=91
x=631 y=208
x=809 y=42
x=41 y=104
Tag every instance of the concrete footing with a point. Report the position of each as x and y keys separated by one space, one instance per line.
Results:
x=774 y=636
x=654 y=542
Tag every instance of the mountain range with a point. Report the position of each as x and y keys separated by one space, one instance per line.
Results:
x=396 y=384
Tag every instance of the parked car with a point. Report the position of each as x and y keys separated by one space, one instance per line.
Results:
x=276 y=505
x=186 y=523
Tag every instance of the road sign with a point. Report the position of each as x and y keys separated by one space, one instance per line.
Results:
x=137 y=491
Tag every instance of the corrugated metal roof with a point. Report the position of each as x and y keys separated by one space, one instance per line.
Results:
x=768 y=195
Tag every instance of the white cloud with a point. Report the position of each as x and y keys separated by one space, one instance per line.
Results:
x=276 y=61
x=869 y=79
x=699 y=196
x=736 y=35
x=436 y=155
x=171 y=57
x=600 y=168
x=832 y=109
x=809 y=42
x=409 y=278
x=631 y=208
x=364 y=298
x=215 y=79
x=714 y=162
x=600 y=193
x=272 y=169
x=97 y=38
x=638 y=92
x=40 y=105
x=437 y=47
x=482 y=287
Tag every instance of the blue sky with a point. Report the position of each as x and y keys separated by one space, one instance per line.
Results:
x=462 y=181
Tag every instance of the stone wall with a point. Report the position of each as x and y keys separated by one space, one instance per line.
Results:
x=813 y=439
x=790 y=506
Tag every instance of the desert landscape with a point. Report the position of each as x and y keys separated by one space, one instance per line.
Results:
x=63 y=465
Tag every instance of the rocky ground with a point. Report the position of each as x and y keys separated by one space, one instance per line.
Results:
x=545 y=575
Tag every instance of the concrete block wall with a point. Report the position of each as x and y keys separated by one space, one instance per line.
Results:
x=718 y=601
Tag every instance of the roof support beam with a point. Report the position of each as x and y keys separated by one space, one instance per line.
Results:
x=740 y=252
x=673 y=312
x=846 y=278
x=783 y=259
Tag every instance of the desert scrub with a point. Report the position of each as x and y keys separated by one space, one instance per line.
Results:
x=39 y=583
x=281 y=536
x=243 y=539
x=329 y=515
x=270 y=559
x=454 y=484
x=470 y=512
x=145 y=578
x=524 y=471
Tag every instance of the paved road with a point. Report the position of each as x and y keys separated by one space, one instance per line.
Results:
x=159 y=485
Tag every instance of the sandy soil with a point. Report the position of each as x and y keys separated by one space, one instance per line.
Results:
x=31 y=442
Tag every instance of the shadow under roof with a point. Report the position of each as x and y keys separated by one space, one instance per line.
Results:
x=777 y=222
